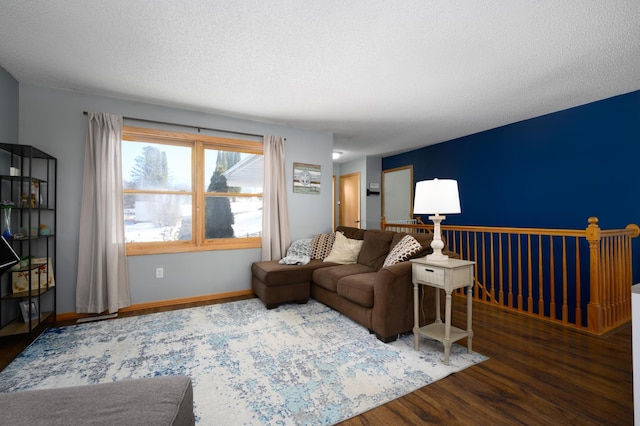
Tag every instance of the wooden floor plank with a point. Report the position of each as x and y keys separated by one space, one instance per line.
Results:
x=538 y=373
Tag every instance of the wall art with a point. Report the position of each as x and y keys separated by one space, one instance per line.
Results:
x=306 y=178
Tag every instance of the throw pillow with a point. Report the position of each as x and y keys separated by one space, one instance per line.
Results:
x=299 y=253
x=321 y=245
x=344 y=250
x=300 y=247
x=406 y=247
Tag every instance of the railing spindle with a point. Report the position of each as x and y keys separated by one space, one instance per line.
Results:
x=578 y=286
x=520 y=299
x=565 y=284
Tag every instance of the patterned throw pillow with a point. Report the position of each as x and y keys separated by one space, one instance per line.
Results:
x=299 y=253
x=300 y=248
x=406 y=247
x=321 y=245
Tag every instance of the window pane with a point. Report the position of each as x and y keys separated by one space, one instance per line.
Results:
x=233 y=217
x=229 y=171
x=156 y=166
x=157 y=217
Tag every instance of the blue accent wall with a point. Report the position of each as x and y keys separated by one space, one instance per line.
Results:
x=552 y=171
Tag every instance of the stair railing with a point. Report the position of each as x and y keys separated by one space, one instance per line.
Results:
x=543 y=272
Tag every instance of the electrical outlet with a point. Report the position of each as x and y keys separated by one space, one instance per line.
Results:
x=159 y=272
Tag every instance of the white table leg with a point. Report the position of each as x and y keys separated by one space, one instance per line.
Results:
x=447 y=328
x=416 y=317
x=438 y=316
x=469 y=310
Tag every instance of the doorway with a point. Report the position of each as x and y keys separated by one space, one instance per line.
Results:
x=397 y=194
x=350 y=200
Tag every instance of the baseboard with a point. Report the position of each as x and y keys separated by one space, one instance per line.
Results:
x=96 y=318
x=73 y=316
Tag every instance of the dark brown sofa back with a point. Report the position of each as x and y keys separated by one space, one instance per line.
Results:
x=375 y=248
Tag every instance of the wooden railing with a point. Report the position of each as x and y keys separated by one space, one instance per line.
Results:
x=577 y=278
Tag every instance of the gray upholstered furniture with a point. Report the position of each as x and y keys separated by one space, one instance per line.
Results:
x=166 y=400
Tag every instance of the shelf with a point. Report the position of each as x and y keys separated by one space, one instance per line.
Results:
x=436 y=331
x=28 y=175
x=22 y=179
x=22 y=294
x=33 y=237
x=20 y=327
x=41 y=208
x=25 y=151
x=33 y=266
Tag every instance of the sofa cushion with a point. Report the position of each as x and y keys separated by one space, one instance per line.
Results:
x=321 y=245
x=328 y=277
x=271 y=273
x=358 y=288
x=351 y=232
x=375 y=248
x=404 y=250
x=344 y=250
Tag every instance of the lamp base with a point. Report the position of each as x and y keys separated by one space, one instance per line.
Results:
x=437 y=257
x=437 y=244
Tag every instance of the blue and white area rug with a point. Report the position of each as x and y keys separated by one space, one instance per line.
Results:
x=297 y=364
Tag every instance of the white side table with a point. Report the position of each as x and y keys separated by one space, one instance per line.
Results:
x=447 y=275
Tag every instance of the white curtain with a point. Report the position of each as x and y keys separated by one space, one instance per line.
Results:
x=275 y=212
x=102 y=262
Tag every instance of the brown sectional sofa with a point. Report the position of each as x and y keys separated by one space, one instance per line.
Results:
x=275 y=284
x=380 y=299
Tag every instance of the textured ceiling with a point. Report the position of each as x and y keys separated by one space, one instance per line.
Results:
x=384 y=76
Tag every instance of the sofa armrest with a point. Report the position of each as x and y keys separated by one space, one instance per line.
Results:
x=393 y=301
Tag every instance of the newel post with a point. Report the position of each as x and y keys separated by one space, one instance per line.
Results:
x=595 y=321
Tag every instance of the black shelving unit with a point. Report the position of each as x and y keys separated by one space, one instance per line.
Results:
x=28 y=179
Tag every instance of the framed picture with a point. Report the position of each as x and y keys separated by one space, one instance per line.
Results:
x=306 y=178
x=41 y=276
x=32 y=308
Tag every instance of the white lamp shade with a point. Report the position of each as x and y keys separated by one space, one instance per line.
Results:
x=436 y=196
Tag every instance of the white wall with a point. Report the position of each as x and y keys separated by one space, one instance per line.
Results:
x=53 y=121
x=8 y=107
x=370 y=169
x=373 y=207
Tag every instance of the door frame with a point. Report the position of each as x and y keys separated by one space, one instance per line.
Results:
x=357 y=200
x=389 y=187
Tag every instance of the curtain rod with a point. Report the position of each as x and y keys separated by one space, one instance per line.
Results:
x=187 y=125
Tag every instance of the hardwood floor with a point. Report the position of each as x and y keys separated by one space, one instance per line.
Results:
x=537 y=374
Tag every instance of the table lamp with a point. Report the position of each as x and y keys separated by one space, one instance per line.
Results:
x=435 y=197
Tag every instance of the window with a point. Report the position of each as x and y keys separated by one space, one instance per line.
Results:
x=190 y=192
